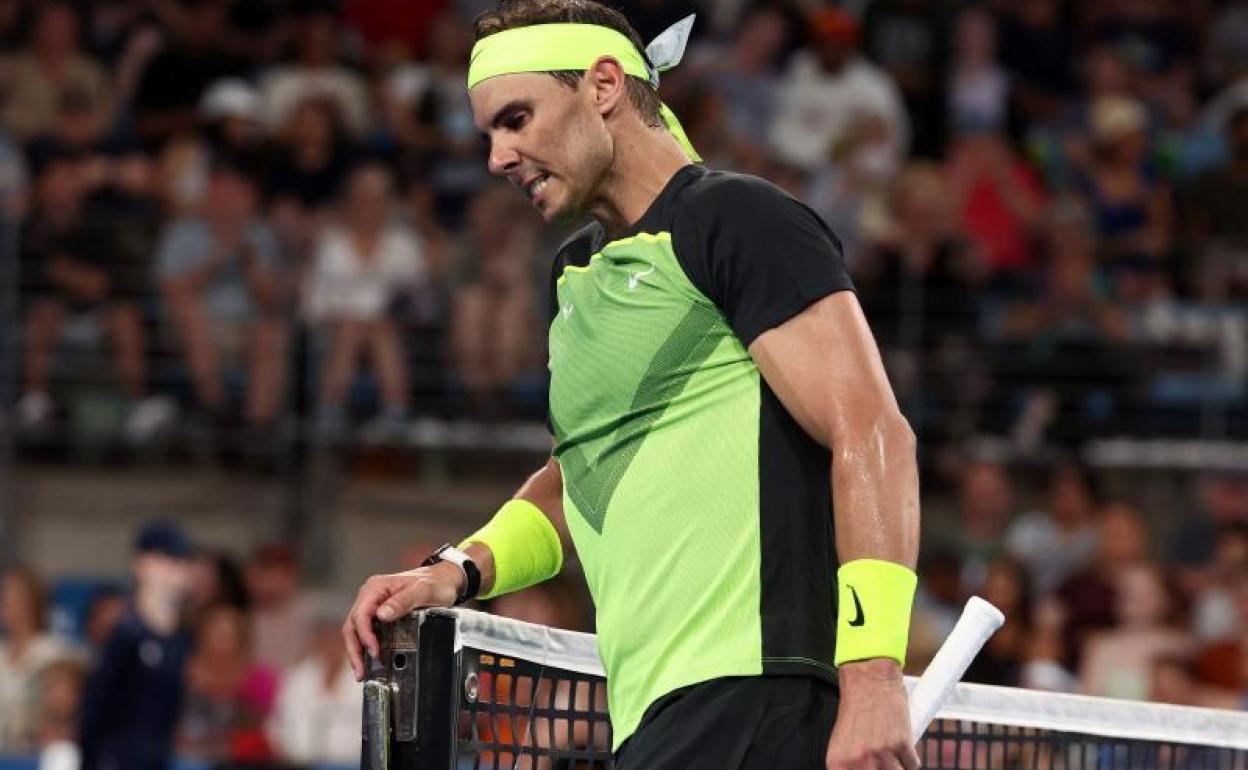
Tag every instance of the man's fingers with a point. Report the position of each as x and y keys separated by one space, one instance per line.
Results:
x=909 y=757
x=353 y=649
x=413 y=597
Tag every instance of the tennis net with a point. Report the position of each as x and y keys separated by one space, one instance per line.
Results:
x=462 y=690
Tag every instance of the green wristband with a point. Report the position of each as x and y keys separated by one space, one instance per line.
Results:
x=524 y=544
x=873 y=613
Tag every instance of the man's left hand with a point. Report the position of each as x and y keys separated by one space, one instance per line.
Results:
x=872 y=729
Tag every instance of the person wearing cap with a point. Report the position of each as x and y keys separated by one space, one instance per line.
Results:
x=134 y=692
x=715 y=393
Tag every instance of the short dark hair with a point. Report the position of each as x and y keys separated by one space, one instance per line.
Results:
x=514 y=14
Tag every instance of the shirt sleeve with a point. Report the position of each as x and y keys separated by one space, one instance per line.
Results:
x=758 y=254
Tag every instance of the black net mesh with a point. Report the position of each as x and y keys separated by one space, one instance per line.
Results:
x=520 y=714
x=479 y=701
x=951 y=744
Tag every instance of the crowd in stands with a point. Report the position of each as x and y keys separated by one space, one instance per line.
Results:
x=1102 y=595
x=229 y=661
x=249 y=209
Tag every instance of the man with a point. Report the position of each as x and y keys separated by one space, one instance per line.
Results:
x=706 y=352
x=133 y=696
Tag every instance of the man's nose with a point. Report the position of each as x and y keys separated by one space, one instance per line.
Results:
x=503 y=158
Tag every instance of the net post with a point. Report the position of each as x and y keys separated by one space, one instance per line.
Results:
x=437 y=696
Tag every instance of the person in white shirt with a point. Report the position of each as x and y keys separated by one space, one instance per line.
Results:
x=364 y=264
x=317 y=719
x=829 y=93
x=26 y=650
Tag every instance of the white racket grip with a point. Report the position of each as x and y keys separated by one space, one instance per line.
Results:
x=979 y=621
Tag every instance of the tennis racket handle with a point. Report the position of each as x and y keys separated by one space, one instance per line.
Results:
x=979 y=621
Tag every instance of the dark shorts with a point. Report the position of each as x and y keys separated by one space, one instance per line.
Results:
x=754 y=723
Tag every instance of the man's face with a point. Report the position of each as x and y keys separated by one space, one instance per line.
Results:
x=548 y=139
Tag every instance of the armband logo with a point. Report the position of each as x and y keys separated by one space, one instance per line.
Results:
x=859 y=619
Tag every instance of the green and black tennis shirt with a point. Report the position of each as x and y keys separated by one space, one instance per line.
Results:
x=700 y=510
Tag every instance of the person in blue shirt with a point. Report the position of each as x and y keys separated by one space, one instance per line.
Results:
x=134 y=692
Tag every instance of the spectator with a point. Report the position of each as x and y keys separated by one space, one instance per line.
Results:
x=1216 y=230
x=1224 y=663
x=194 y=56
x=230 y=123
x=221 y=283
x=316 y=73
x=1214 y=616
x=1054 y=544
x=134 y=692
x=919 y=286
x=26 y=651
x=998 y=198
x=365 y=265
x=1221 y=504
x=494 y=325
x=1071 y=326
x=305 y=172
x=830 y=94
x=432 y=120
x=1038 y=51
x=1118 y=663
x=1130 y=204
x=76 y=271
x=1089 y=600
x=38 y=80
x=316 y=720
x=907 y=38
x=106 y=608
x=59 y=709
x=985 y=504
x=218 y=580
x=281 y=615
x=1001 y=661
x=745 y=75
x=228 y=695
x=979 y=89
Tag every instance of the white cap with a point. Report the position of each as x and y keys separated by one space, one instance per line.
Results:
x=230 y=98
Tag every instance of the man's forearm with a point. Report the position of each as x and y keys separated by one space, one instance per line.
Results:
x=875 y=491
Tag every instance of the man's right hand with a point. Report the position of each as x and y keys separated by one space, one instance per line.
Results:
x=387 y=597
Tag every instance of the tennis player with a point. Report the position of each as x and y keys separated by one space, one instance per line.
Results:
x=715 y=395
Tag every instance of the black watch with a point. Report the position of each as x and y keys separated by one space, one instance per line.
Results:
x=472 y=575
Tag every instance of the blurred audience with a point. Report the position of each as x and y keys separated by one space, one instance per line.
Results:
x=229 y=696
x=134 y=692
x=1055 y=542
x=1118 y=663
x=316 y=719
x=51 y=68
x=365 y=265
x=281 y=616
x=220 y=280
x=27 y=651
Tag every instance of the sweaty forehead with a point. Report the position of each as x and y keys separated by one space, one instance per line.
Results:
x=491 y=97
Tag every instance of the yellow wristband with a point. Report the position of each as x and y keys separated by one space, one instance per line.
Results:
x=524 y=544
x=873 y=611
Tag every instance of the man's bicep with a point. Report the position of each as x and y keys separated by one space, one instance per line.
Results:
x=824 y=366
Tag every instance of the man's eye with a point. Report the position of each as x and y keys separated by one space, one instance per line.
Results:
x=515 y=122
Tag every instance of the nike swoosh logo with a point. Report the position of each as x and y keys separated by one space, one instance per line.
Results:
x=635 y=277
x=859 y=619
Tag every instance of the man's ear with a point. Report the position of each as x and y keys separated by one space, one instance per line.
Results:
x=607 y=84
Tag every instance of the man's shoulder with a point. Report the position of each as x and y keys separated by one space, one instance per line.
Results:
x=730 y=195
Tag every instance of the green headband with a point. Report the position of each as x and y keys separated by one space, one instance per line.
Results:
x=559 y=47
